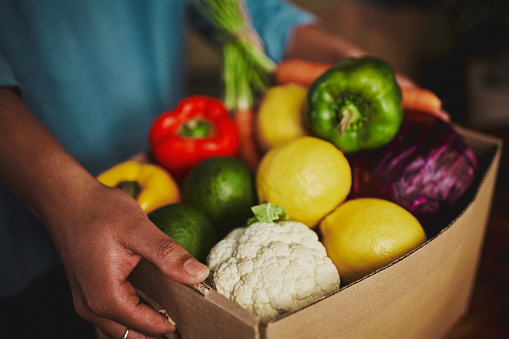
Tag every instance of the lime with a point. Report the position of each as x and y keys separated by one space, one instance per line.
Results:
x=223 y=188
x=188 y=226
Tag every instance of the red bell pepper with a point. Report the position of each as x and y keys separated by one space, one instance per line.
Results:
x=197 y=129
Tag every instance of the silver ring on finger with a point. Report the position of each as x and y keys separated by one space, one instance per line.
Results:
x=125 y=334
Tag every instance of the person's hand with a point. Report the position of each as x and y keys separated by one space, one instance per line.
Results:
x=319 y=45
x=404 y=81
x=101 y=233
x=101 y=239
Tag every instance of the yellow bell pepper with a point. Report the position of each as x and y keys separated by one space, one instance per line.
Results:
x=149 y=184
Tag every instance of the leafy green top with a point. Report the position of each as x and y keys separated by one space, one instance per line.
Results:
x=268 y=213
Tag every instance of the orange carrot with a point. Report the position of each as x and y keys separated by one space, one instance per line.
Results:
x=441 y=114
x=420 y=99
x=423 y=100
x=299 y=71
x=244 y=119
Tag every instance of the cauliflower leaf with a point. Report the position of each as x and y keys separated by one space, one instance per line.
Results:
x=268 y=213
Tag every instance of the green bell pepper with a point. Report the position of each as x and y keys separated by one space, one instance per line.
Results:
x=356 y=105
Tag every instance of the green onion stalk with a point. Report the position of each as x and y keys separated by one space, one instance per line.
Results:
x=245 y=66
x=246 y=69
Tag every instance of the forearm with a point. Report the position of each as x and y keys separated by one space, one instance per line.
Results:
x=33 y=165
x=101 y=233
x=315 y=42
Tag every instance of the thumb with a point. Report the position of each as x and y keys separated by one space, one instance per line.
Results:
x=171 y=258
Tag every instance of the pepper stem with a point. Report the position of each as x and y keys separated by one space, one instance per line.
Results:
x=195 y=128
x=347 y=115
x=131 y=187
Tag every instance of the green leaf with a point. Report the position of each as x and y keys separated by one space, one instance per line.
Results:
x=268 y=213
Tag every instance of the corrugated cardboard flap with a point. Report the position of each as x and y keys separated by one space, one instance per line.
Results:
x=195 y=309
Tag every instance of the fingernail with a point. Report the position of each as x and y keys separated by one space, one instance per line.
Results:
x=171 y=322
x=167 y=317
x=194 y=268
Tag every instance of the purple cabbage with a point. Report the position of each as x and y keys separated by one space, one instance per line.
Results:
x=427 y=169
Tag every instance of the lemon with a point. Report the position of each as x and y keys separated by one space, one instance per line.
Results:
x=365 y=234
x=280 y=116
x=307 y=176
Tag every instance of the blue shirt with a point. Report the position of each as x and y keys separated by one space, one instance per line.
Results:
x=96 y=73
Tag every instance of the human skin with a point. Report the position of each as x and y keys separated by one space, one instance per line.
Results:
x=101 y=233
x=315 y=42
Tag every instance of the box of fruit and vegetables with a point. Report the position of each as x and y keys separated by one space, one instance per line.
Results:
x=395 y=257
x=331 y=202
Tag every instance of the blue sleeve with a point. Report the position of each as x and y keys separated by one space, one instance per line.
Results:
x=274 y=20
x=7 y=78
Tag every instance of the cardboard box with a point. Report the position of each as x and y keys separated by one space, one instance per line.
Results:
x=421 y=295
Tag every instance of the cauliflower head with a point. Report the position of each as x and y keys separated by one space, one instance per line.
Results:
x=272 y=268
